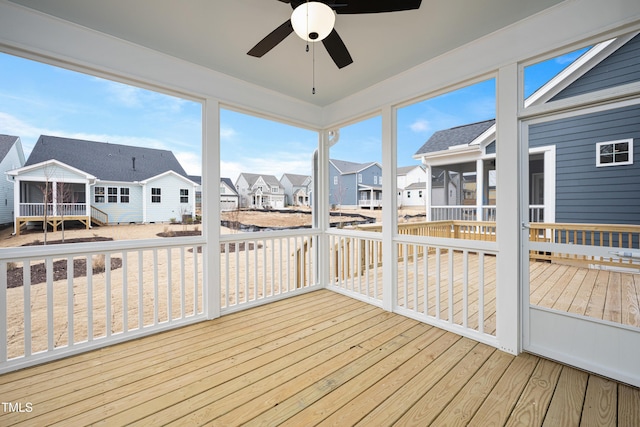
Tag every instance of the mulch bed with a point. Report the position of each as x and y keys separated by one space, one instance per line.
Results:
x=15 y=276
x=180 y=233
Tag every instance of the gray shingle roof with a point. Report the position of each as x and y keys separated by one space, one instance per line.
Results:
x=270 y=180
x=105 y=161
x=345 y=167
x=229 y=184
x=460 y=135
x=6 y=142
x=296 y=180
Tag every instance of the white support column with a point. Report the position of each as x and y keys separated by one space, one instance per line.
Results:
x=87 y=199
x=211 y=205
x=479 y=189
x=17 y=184
x=508 y=169
x=429 y=190
x=321 y=203
x=389 y=209
x=54 y=198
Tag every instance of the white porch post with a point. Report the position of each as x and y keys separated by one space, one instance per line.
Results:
x=54 y=197
x=389 y=208
x=479 y=189
x=16 y=203
x=429 y=189
x=87 y=198
x=211 y=206
x=508 y=169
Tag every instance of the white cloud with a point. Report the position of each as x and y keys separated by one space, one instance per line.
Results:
x=420 y=126
x=227 y=133
x=191 y=163
x=128 y=96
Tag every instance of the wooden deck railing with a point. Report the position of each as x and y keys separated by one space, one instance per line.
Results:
x=98 y=216
x=623 y=242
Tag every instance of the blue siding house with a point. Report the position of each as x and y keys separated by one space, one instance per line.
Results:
x=583 y=167
x=355 y=184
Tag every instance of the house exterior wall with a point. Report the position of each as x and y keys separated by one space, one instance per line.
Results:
x=118 y=211
x=343 y=189
x=11 y=161
x=621 y=67
x=242 y=187
x=169 y=206
x=586 y=193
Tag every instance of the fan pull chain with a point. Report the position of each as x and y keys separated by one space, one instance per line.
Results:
x=313 y=72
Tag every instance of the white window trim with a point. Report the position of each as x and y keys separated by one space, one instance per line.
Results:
x=614 y=163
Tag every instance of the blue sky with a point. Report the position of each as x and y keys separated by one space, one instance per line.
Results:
x=38 y=99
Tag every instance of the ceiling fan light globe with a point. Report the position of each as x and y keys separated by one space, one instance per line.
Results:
x=313 y=21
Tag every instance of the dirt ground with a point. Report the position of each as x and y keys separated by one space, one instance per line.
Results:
x=151 y=231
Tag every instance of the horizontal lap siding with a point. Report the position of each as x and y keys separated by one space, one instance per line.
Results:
x=620 y=68
x=123 y=212
x=586 y=193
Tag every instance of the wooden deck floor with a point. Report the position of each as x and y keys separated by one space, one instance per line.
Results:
x=316 y=359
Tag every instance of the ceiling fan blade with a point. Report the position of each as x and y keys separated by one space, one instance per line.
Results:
x=271 y=40
x=376 y=6
x=337 y=49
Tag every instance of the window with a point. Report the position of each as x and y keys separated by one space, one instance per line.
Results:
x=124 y=195
x=223 y=189
x=614 y=153
x=99 y=195
x=408 y=194
x=420 y=194
x=156 y=195
x=375 y=179
x=274 y=189
x=184 y=195
x=359 y=178
x=335 y=180
x=112 y=194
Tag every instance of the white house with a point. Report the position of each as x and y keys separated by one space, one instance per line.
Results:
x=259 y=191
x=411 y=183
x=296 y=189
x=100 y=182
x=229 y=199
x=11 y=157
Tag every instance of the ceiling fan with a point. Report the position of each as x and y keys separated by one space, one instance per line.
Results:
x=307 y=13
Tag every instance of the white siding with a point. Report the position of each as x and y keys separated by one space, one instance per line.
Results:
x=120 y=212
x=169 y=206
x=11 y=161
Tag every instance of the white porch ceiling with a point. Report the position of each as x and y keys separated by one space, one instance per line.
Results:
x=217 y=35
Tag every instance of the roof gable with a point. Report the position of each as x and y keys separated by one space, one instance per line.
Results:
x=345 y=167
x=106 y=161
x=296 y=180
x=7 y=142
x=460 y=135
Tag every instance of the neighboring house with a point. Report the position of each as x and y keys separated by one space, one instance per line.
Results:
x=259 y=191
x=355 y=184
x=229 y=199
x=411 y=183
x=11 y=157
x=198 y=180
x=582 y=169
x=100 y=182
x=297 y=189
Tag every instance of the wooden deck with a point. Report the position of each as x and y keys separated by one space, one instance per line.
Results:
x=316 y=359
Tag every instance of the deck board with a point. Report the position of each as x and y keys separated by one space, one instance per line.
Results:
x=317 y=359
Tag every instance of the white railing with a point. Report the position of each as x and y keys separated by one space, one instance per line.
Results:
x=53 y=209
x=448 y=283
x=459 y=213
x=355 y=264
x=367 y=203
x=257 y=268
x=470 y=213
x=95 y=295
